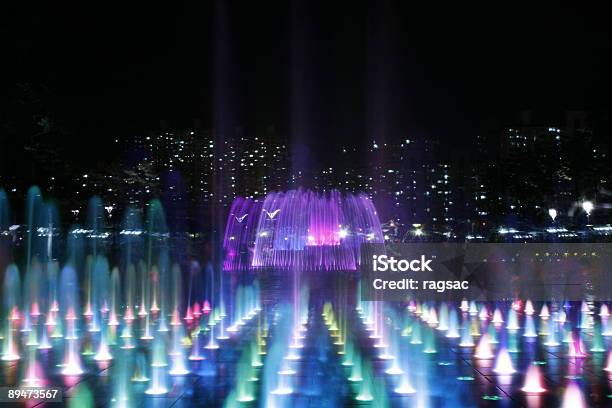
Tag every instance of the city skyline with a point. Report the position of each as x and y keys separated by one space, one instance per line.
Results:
x=513 y=176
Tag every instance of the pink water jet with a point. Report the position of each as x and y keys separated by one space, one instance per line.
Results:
x=503 y=364
x=188 y=314
x=484 y=350
x=576 y=348
x=34 y=310
x=609 y=365
x=129 y=314
x=197 y=311
x=50 y=321
x=533 y=381
x=529 y=310
x=15 y=314
x=573 y=397
x=544 y=313
x=112 y=319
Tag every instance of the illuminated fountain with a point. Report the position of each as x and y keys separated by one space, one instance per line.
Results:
x=512 y=320
x=483 y=349
x=467 y=339
x=573 y=397
x=158 y=367
x=533 y=381
x=453 y=325
x=10 y=316
x=150 y=323
x=69 y=305
x=122 y=392
x=552 y=335
x=277 y=382
x=503 y=364
x=301 y=229
x=77 y=317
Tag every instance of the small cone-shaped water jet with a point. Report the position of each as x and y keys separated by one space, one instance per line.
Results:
x=466 y=335
x=416 y=333
x=140 y=368
x=473 y=310
x=484 y=313
x=348 y=355
x=244 y=385
x=544 y=313
x=484 y=350
x=356 y=371
x=576 y=347
x=530 y=330
x=529 y=310
x=512 y=320
x=32 y=372
x=158 y=364
x=573 y=397
x=503 y=363
x=443 y=319
x=365 y=386
x=533 y=381
x=453 y=325
x=604 y=311
x=498 y=319
x=72 y=359
x=103 y=353
x=196 y=354
x=597 y=342
x=552 y=339
x=608 y=367
x=122 y=391
x=405 y=387
x=430 y=341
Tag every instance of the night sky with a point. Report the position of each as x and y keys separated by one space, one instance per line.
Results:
x=322 y=73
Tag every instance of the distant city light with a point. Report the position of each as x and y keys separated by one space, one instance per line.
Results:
x=587 y=206
x=553 y=213
x=131 y=232
x=555 y=230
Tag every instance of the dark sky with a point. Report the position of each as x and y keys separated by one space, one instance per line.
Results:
x=322 y=72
